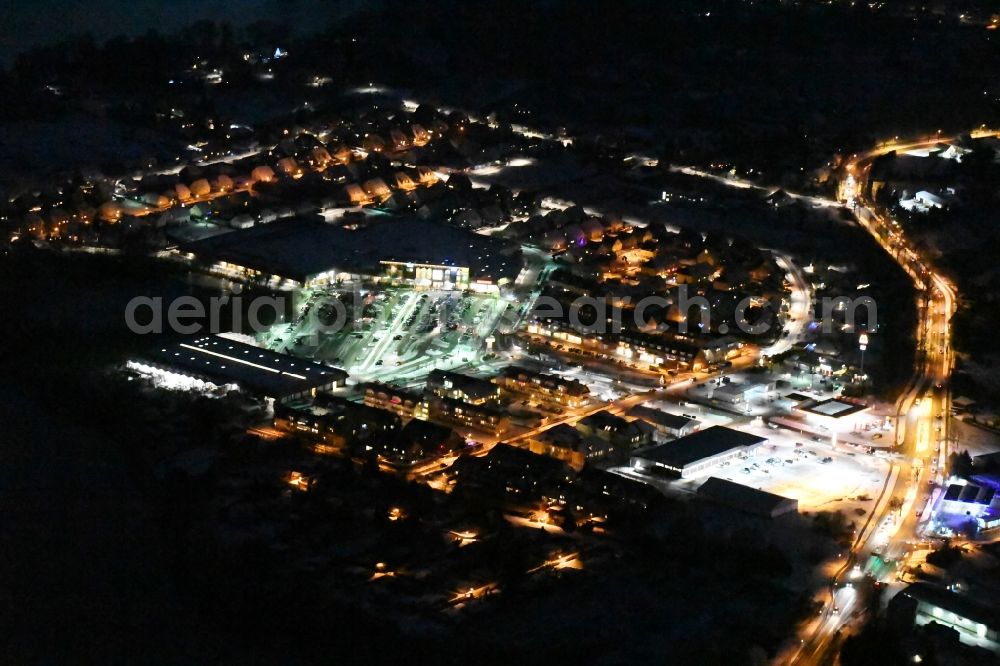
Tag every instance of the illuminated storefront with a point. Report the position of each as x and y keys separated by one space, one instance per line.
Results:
x=427 y=275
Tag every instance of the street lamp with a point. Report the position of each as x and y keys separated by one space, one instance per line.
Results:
x=863 y=345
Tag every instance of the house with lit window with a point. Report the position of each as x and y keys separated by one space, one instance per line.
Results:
x=418 y=441
x=484 y=417
x=542 y=387
x=515 y=472
x=666 y=424
x=405 y=404
x=571 y=446
x=472 y=390
x=618 y=431
x=337 y=422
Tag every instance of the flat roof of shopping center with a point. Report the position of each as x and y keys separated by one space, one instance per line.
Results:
x=698 y=446
x=225 y=361
x=745 y=498
x=298 y=249
x=833 y=408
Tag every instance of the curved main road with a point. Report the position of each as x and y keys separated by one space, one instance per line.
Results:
x=922 y=413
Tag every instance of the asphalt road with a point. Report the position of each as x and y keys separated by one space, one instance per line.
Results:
x=922 y=410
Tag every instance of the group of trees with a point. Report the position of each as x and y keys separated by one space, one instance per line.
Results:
x=959 y=464
x=835 y=525
x=778 y=104
x=129 y=70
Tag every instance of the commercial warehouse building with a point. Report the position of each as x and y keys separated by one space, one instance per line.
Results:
x=698 y=453
x=740 y=392
x=968 y=499
x=222 y=361
x=976 y=623
x=835 y=414
x=746 y=499
x=963 y=502
x=304 y=253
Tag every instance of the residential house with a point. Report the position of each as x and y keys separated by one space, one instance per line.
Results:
x=472 y=390
x=405 y=404
x=618 y=431
x=666 y=424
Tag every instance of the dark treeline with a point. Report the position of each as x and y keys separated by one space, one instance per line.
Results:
x=785 y=84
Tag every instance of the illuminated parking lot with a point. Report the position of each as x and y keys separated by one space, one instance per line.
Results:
x=819 y=477
x=397 y=333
